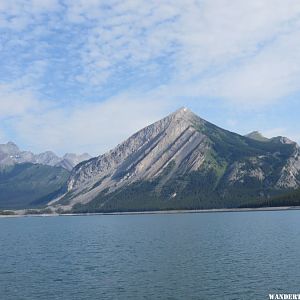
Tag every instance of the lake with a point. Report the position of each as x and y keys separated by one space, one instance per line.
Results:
x=236 y=255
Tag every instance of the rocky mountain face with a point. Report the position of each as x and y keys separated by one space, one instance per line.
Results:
x=10 y=154
x=183 y=162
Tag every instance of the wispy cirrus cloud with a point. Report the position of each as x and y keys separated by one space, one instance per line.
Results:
x=186 y=42
x=19 y=14
x=272 y=74
x=63 y=61
x=193 y=43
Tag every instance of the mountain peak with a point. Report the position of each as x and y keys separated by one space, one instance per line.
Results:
x=185 y=114
x=10 y=143
x=181 y=161
x=9 y=148
x=256 y=135
x=183 y=111
x=282 y=140
x=173 y=140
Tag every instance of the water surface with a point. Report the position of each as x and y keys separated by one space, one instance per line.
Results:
x=237 y=255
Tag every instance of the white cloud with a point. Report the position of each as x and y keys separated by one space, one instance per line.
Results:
x=14 y=103
x=94 y=127
x=281 y=131
x=19 y=14
x=273 y=132
x=222 y=48
x=245 y=53
x=241 y=51
x=272 y=74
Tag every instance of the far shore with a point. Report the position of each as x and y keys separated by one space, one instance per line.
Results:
x=18 y=214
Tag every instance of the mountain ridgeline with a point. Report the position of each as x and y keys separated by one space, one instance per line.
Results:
x=184 y=162
x=29 y=180
x=10 y=154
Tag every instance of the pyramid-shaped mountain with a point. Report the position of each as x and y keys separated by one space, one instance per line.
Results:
x=183 y=162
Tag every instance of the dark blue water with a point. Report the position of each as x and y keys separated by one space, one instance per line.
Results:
x=182 y=256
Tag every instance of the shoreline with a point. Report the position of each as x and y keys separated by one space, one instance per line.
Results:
x=157 y=212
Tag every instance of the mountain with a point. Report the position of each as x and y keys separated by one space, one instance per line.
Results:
x=256 y=135
x=70 y=160
x=183 y=162
x=10 y=154
x=27 y=185
x=30 y=180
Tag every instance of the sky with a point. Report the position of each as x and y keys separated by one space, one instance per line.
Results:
x=83 y=75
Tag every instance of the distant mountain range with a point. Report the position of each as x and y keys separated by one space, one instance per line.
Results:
x=184 y=162
x=179 y=162
x=10 y=154
x=30 y=180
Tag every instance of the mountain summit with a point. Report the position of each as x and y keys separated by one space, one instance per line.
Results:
x=256 y=135
x=182 y=162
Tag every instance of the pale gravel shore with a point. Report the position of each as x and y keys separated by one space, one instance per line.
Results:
x=19 y=214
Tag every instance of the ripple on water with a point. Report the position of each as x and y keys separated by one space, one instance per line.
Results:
x=178 y=256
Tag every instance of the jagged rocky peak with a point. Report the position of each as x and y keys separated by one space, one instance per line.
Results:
x=10 y=154
x=76 y=158
x=9 y=148
x=185 y=114
x=48 y=158
x=145 y=155
x=182 y=112
x=283 y=140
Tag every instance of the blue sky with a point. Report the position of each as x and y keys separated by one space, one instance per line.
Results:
x=81 y=76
